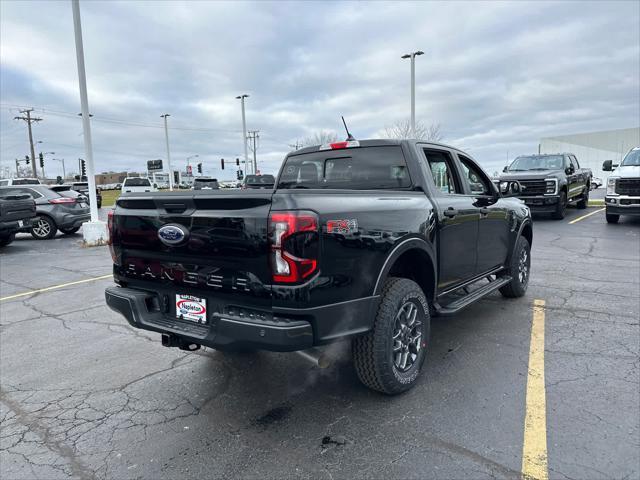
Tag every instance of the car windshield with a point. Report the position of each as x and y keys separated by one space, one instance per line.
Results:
x=205 y=182
x=363 y=168
x=537 y=162
x=137 y=182
x=632 y=159
x=260 y=180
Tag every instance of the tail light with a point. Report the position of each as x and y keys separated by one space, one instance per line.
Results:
x=294 y=245
x=67 y=200
x=111 y=228
x=340 y=145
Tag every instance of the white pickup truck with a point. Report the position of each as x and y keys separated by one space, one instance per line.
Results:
x=623 y=186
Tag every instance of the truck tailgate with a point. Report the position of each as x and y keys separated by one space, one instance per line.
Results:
x=16 y=207
x=224 y=252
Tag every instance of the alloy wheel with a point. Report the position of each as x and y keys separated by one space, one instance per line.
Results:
x=523 y=267
x=407 y=337
x=41 y=228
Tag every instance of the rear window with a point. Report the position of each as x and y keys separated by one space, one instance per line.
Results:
x=25 y=181
x=260 y=180
x=365 y=168
x=137 y=182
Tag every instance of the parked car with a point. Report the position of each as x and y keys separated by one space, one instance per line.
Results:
x=7 y=182
x=205 y=183
x=54 y=211
x=359 y=240
x=623 y=186
x=16 y=212
x=550 y=182
x=596 y=182
x=259 y=181
x=137 y=184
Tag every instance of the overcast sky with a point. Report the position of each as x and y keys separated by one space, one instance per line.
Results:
x=496 y=76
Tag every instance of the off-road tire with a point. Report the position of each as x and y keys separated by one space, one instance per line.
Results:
x=584 y=201
x=373 y=353
x=4 y=241
x=561 y=207
x=39 y=231
x=612 y=217
x=517 y=287
x=69 y=231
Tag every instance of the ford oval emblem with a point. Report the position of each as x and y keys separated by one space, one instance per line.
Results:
x=172 y=234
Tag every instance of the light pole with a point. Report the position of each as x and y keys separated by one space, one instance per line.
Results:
x=64 y=173
x=42 y=166
x=244 y=129
x=412 y=56
x=166 y=137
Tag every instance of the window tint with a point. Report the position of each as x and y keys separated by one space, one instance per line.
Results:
x=26 y=181
x=364 y=168
x=574 y=160
x=260 y=180
x=477 y=181
x=441 y=166
x=22 y=191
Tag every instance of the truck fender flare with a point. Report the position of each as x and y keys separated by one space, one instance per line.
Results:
x=523 y=225
x=396 y=252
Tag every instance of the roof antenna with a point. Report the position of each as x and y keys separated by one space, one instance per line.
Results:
x=349 y=136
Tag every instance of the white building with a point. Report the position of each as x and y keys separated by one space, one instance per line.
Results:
x=593 y=148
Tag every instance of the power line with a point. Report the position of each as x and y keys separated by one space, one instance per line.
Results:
x=253 y=136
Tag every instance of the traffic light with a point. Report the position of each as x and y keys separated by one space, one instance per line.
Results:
x=238 y=162
x=222 y=163
x=83 y=168
x=59 y=180
x=176 y=177
x=199 y=168
x=26 y=159
x=41 y=156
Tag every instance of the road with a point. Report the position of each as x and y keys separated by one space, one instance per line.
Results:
x=83 y=395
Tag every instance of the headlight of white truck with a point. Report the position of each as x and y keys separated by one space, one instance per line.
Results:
x=611 y=185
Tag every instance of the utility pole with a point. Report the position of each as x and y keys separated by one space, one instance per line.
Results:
x=166 y=137
x=253 y=135
x=244 y=128
x=412 y=56
x=29 y=121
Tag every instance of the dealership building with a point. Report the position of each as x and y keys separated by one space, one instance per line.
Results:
x=593 y=148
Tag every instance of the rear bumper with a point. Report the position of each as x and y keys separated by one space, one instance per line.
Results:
x=73 y=221
x=7 y=228
x=541 y=203
x=282 y=330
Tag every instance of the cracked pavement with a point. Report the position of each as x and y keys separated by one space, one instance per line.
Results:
x=84 y=395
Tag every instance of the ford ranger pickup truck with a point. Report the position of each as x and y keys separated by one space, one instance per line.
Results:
x=17 y=210
x=359 y=240
x=549 y=182
x=623 y=186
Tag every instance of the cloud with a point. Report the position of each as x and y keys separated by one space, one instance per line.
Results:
x=496 y=75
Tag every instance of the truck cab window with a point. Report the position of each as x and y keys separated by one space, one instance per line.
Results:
x=440 y=165
x=477 y=181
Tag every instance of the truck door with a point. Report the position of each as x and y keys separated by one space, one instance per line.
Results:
x=457 y=218
x=580 y=180
x=493 y=226
x=573 y=178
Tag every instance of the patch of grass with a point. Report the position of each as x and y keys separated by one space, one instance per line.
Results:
x=109 y=197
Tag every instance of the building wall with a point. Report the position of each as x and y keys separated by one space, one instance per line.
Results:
x=593 y=148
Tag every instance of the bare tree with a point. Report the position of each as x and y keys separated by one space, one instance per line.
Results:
x=402 y=129
x=320 y=138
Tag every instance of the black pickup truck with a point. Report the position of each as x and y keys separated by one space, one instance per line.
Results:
x=550 y=182
x=357 y=240
x=16 y=213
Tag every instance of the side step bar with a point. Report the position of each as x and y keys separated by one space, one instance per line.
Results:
x=459 y=304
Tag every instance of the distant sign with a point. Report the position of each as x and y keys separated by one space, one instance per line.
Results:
x=154 y=165
x=189 y=170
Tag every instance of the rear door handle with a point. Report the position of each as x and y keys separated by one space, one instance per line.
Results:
x=450 y=212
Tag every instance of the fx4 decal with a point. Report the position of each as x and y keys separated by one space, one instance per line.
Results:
x=342 y=226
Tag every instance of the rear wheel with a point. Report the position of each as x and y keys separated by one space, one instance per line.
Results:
x=612 y=218
x=389 y=358
x=561 y=206
x=43 y=228
x=7 y=239
x=69 y=231
x=518 y=269
x=584 y=201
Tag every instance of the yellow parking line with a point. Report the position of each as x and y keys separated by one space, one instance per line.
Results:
x=584 y=216
x=534 y=447
x=55 y=287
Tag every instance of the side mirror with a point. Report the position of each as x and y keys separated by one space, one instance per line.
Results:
x=510 y=189
x=569 y=170
x=504 y=170
x=607 y=165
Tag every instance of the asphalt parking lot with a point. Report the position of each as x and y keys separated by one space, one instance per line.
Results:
x=83 y=395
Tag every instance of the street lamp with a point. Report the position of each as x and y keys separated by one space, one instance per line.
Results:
x=64 y=173
x=244 y=128
x=412 y=56
x=166 y=137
